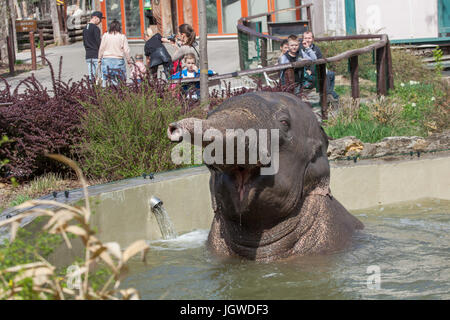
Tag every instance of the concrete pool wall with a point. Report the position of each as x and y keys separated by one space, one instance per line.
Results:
x=122 y=212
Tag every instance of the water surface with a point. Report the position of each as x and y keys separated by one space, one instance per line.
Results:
x=409 y=243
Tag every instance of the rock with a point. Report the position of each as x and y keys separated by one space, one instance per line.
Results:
x=351 y=146
x=420 y=145
x=343 y=147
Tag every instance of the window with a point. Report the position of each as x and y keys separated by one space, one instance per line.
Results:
x=231 y=13
x=133 y=18
x=256 y=7
x=211 y=16
x=285 y=16
x=113 y=12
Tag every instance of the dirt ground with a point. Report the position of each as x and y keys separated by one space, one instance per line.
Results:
x=10 y=193
x=18 y=68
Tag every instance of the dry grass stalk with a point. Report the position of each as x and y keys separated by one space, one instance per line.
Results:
x=75 y=220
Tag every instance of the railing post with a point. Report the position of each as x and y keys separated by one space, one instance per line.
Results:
x=240 y=48
x=390 y=73
x=10 y=55
x=42 y=45
x=354 y=76
x=381 y=71
x=264 y=52
x=322 y=78
x=308 y=15
x=289 y=76
x=33 y=51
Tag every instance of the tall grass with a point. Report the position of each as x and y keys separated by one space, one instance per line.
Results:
x=28 y=275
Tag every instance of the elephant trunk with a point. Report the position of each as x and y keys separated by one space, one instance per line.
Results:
x=188 y=128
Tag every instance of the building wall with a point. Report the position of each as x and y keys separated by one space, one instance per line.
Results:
x=400 y=19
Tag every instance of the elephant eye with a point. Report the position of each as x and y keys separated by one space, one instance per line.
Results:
x=285 y=122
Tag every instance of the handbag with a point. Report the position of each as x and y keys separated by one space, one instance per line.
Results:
x=160 y=56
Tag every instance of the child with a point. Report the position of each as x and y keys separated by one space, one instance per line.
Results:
x=294 y=55
x=284 y=47
x=138 y=70
x=290 y=56
x=190 y=70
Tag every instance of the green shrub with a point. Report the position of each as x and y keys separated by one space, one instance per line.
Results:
x=406 y=66
x=125 y=132
x=366 y=61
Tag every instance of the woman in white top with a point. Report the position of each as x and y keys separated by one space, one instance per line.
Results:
x=113 y=51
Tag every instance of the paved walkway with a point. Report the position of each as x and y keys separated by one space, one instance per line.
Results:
x=223 y=57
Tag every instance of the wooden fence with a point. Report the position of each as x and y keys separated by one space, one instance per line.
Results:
x=385 y=78
x=74 y=31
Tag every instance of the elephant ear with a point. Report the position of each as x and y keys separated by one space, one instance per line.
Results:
x=316 y=179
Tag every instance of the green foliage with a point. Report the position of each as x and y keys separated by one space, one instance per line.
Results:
x=413 y=108
x=437 y=55
x=21 y=198
x=366 y=61
x=408 y=67
x=5 y=161
x=367 y=130
x=126 y=133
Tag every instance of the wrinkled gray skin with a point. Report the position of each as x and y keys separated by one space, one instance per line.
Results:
x=272 y=217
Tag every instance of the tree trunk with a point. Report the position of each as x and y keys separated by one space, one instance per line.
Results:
x=18 y=11
x=204 y=89
x=12 y=26
x=55 y=22
x=25 y=9
x=3 y=33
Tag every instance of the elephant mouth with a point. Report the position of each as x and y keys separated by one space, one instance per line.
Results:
x=243 y=181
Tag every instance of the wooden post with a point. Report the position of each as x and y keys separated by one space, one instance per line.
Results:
x=33 y=51
x=390 y=72
x=381 y=71
x=64 y=16
x=353 y=61
x=289 y=76
x=243 y=45
x=308 y=15
x=264 y=52
x=204 y=88
x=42 y=45
x=322 y=78
x=9 y=41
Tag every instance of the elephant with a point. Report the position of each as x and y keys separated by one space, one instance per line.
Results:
x=272 y=216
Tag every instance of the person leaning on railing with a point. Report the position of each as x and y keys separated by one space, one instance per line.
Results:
x=310 y=74
x=295 y=54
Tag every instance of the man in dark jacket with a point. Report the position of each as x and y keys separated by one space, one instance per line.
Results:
x=91 y=41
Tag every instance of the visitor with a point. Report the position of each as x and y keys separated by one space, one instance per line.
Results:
x=308 y=40
x=91 y=41
x=186 y=44
x=190 y=70
x=113 y=52
x=284 y=47
x=156 y=53
x=138 y=69
x=294 y=55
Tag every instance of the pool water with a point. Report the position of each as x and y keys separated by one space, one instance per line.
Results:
x=408 y=243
